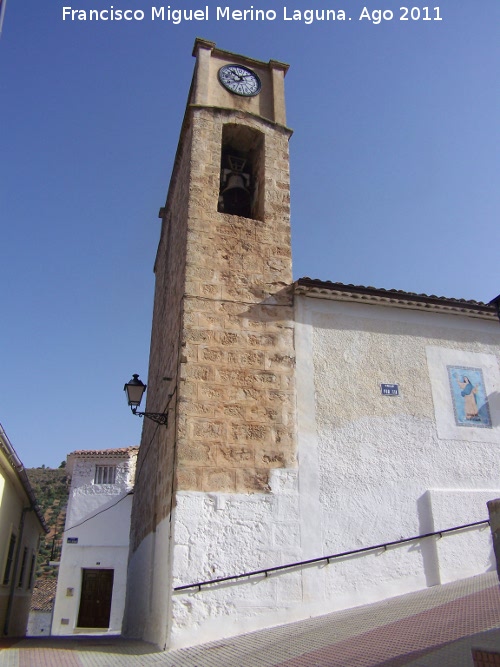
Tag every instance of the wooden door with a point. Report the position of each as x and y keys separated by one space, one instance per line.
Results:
x=95 y=600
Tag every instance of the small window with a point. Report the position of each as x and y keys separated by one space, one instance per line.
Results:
x=105 y=475
x=10 y=558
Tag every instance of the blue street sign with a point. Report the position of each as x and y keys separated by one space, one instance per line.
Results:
x=390 y=389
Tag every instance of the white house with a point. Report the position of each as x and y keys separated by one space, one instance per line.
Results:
x=21 y=525
x=91 y=583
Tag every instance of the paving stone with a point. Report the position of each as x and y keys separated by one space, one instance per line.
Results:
x=437 y=627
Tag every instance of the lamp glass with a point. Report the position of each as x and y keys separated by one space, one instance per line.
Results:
x=135 y=390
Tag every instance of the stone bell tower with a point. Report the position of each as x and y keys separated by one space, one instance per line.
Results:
x=222 y=349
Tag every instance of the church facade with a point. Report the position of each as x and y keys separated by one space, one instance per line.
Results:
x=306 y=419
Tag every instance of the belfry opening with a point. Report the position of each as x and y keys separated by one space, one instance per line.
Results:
x=241 y=190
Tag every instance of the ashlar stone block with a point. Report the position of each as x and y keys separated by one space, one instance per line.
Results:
x=235 y=456
x=192 y=453
x=252 y=480
x=219 y=479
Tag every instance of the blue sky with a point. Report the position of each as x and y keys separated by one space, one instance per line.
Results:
x=394 y=163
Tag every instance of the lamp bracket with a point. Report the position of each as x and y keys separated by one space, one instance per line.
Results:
x=158 y=417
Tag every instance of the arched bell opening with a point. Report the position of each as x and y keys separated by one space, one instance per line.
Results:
x=242 y=172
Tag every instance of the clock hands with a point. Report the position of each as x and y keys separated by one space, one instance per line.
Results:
x=240 y=77
x=240 y=80
x=233 y=76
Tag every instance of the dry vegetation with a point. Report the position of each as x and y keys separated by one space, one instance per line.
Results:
x=51 y=490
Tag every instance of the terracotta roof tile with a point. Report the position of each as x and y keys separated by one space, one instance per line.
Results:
x=329 y=289
x=44 y=593
x=328 y=284
x=120 y=451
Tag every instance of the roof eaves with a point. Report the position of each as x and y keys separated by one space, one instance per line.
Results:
x=108 y=453
x=390 y=297
x=19 y=469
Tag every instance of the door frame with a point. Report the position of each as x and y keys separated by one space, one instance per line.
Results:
x=104 y=580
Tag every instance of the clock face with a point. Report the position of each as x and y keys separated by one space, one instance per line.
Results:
x=240 y=80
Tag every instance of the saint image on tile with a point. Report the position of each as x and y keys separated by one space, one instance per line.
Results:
x=469 y=397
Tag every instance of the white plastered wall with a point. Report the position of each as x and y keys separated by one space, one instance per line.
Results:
x=98 y=517
x=385 y=470
x=77 y=558
x=39 y=623
x=218 y=535
x=147 y=609
x=372 y=469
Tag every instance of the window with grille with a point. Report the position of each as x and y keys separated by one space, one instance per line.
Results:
x=105 y=475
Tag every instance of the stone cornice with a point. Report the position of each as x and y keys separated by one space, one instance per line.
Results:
x=237 y=56
x=393 y=298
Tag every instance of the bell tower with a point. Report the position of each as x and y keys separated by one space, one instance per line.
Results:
x=222 y=347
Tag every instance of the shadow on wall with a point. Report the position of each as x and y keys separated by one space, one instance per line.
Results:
x=428 y=546
x=271 y=301
x=494 y=405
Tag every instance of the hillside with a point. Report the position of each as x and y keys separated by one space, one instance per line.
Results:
x=50 y=486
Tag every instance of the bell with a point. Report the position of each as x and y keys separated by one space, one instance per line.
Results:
x=236 y=196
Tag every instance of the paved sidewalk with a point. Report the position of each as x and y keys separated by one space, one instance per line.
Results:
x=436 y=627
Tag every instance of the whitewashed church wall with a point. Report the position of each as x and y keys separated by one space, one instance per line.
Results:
x=146 y=615
x=218 y=535
x=470 y=551
x=372 y=469
x=385 y=470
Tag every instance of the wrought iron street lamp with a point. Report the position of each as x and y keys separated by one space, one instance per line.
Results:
x=135 y=389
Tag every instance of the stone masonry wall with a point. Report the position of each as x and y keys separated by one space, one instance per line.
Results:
x=236 y=391
x=154 y=475
x=222 y=329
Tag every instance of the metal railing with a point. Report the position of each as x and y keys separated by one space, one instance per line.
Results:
x=327 y=559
